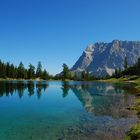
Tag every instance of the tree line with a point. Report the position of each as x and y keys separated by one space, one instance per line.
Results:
x=67 y=74
x=86 y=76
x=128 y=71
x=8 y=70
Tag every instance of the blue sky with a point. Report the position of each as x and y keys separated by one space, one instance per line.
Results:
x=57 y=31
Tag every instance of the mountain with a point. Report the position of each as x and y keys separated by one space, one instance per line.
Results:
x=103 y=58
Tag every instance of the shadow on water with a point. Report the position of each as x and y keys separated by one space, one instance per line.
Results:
x=11 y=88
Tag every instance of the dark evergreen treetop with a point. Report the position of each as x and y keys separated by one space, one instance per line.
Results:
x=39 y=70
x=8 y=70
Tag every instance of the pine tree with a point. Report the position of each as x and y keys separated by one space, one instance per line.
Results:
x=31 y=72
x=75 y=76
x=21 y=71
x=65 y=72
x=0 y=69
x=137 y=67
x=15 y=72
x=45 y=75
x=12 y=71
x=125 y=63
x=3 y=70
x=138 y=62
x=7 y=69
x=85 y=76
x=39 y=70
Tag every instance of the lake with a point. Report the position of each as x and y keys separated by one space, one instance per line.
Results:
x=65 y=110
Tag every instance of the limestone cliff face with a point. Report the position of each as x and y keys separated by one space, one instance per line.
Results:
x=103 y=58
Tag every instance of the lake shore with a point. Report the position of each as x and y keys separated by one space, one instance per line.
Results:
x=11 y=79
x=134 y=133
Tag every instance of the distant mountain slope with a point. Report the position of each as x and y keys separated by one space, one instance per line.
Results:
x=103 y=58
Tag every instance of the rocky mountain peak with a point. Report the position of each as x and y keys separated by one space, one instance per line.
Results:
x=103 y=58
x=90 y=48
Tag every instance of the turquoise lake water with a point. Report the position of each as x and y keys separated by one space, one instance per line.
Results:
x=65 y=110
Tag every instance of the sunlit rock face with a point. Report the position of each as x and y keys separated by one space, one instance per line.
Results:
x=103 y=58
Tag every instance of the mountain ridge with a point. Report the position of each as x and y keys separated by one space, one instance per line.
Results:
x=103 y=58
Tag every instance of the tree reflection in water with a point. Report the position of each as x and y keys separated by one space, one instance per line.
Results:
x=97 y=98
x=65 y=89
x=8 y=88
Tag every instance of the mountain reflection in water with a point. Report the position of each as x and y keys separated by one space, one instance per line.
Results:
x=103 y=98
x=65 y=110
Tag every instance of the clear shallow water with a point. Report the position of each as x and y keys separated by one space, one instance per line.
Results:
x=65 y=110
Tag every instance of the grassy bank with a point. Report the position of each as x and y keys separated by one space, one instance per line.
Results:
x=134 y=133
x=130 y=79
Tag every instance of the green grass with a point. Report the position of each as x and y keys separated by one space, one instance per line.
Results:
x=134 y=133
